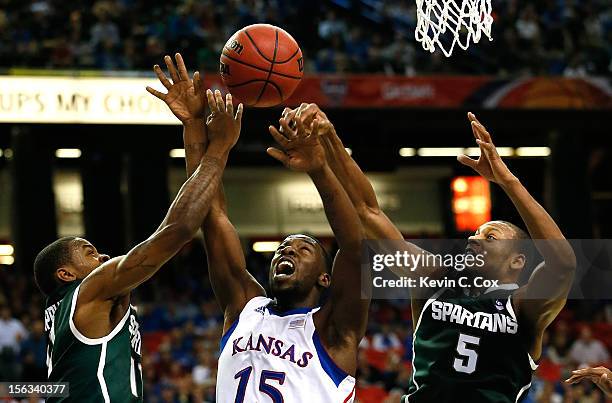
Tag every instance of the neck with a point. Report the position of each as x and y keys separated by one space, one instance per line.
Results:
x=286 y=304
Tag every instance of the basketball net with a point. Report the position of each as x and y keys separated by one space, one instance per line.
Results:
x=441 y=21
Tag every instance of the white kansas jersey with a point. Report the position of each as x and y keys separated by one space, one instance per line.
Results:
x=271 y=357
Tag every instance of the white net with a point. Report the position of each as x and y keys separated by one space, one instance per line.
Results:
x=444 y=23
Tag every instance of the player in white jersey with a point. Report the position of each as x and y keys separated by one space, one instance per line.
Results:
x=286 y=349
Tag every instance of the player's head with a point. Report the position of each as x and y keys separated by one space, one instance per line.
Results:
x=504 y=247
x=63 y=261
x=300 y=269
x=5 y=312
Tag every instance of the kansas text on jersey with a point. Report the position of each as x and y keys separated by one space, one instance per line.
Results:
x=278 y=358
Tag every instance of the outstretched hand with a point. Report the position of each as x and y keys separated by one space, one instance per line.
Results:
x=600 y=376
x=489 y=165
x=326 y=131
x=223 y=124
x=300 y=149
x=185 y=97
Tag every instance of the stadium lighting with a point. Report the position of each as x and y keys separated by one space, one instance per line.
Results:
x=439 y=152
x=6 y=250
x=533 y=151
x=502 y=151
x=8 y=153
x=348 y=150
x=67 y=153
x=265 y=246
x=7 y=260
x=407 y=152
x=460 y=185
x=505 y=151
x=177 y=153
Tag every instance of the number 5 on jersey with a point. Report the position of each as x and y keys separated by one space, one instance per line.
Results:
x=466 y=362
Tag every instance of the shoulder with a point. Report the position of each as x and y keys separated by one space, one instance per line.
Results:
x=94 y=285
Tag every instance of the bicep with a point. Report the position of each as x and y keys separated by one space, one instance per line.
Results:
x=348 y=305
x=544 y=295
x=120 y=275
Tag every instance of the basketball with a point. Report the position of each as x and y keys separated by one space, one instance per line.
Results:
x=261 y=65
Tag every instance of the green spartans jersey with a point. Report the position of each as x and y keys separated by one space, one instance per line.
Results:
x=470 y=349
x=107 y=369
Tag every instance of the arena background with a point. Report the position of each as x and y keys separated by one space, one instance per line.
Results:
x=84 y=150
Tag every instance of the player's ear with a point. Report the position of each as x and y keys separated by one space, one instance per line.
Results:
x=66 y=274
x=518 y=262
x=324 y=280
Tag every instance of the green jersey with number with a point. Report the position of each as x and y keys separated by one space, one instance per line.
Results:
x=469 y=349
x=107 y=369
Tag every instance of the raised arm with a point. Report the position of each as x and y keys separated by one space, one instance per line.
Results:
x=375 y=222
x=119 y=276
x=546 y=291
x=346 y=312
x=232 y=284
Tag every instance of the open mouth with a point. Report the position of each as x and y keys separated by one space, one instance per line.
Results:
x=284 y=268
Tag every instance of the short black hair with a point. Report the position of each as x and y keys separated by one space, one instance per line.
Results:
x=48 y=260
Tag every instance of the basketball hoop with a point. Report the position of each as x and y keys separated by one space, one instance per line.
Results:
x=461 y=22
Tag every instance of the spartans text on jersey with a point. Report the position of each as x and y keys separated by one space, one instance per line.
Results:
x=493 y=322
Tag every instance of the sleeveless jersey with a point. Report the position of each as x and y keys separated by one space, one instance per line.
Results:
x=469 y=349
x=271 y=357
x=107 y=369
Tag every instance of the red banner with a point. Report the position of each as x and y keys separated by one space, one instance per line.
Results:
x=453 y=92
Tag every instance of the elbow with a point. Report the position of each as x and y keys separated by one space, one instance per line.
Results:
x=565 y=265
x=367 y=213
x=567 y=260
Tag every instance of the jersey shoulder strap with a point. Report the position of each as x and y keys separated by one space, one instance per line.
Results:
x=255 y=306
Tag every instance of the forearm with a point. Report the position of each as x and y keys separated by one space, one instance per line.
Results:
x=541 y=226
x=375 y=223
x=341 y=214
x=195 y=143
x=196 y=195
x=352 y=178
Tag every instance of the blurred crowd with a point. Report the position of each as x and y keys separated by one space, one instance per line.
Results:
x=542 y=37
x=181 y=327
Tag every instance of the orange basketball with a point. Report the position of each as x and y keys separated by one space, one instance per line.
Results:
x=261 y=65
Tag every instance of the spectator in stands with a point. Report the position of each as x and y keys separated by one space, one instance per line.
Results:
x=386 y=339
x=202 y=372
x=399 y=57
x=104 y=30
x=547 y=37
x=587 y=351
x=34 y=354
x=559 y=349
x=12 y=332
x=331 y=26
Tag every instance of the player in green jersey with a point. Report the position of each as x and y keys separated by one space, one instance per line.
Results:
x=93 y=337
x=481 y=345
